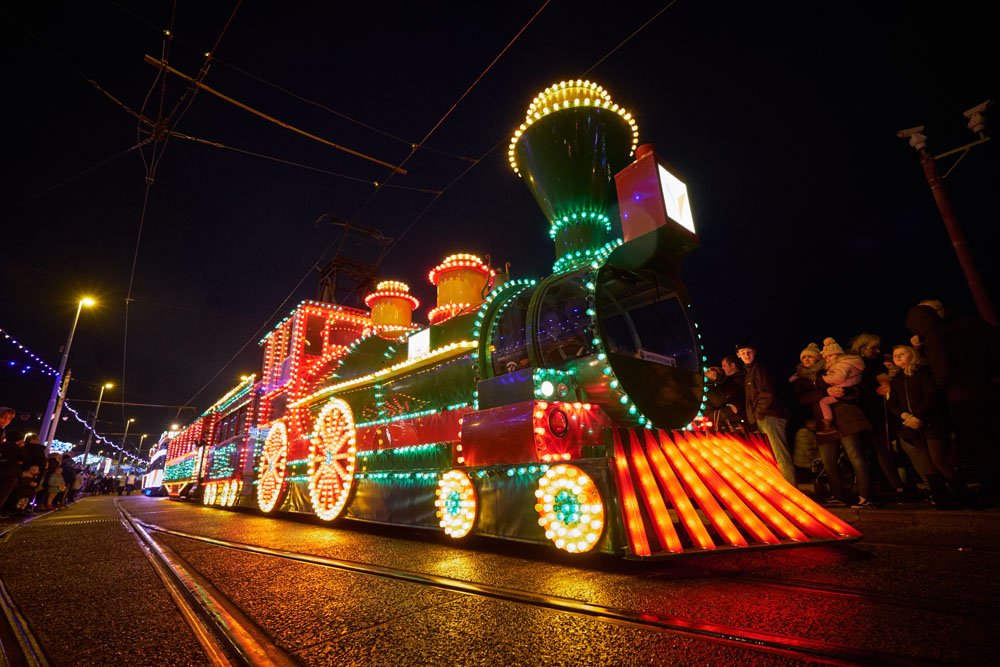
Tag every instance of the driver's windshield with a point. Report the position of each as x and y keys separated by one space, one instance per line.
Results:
x=563 y=322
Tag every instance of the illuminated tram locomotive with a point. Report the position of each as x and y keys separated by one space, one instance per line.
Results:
x=554 y=411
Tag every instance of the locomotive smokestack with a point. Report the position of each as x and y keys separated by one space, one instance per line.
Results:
x=461 y=280
x=392 y=305
x=573 y=141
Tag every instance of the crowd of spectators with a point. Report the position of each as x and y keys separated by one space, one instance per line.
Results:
x=31 y=481
x=930 y=406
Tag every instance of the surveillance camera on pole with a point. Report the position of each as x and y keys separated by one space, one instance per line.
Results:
x=916 y=137
x=977 y=122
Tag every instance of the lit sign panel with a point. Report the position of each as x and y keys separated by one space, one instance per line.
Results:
x=675 y=199
x=419 y=344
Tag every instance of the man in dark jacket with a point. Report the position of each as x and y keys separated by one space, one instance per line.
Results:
x=34 y=452
x=11 y=463
x=69 y=473
x=764 y=409
x=964 y=355
x=726 y=396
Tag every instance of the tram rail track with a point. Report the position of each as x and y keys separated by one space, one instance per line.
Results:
x=225 y=633
x=789 y=646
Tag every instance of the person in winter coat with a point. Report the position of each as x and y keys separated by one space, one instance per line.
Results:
x=11 y=464
x=842 y=371
x=963 y=353
x=69 y=473
x=725 y=396
x=807 y=381
x=34 y=452
x=53 y=487
x=872 y=398
x=810 y=388
x=916 y=402
x=766 y=410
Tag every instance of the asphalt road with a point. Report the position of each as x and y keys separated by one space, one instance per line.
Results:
x=922 y=587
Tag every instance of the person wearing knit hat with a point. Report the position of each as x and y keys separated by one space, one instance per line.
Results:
x=831 y=347
x=806 y=382
x=842 y=371
x=811 y=350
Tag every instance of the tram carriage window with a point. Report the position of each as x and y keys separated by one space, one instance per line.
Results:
x=314 y=335
x=510 y=348
x=563 y=322
x=343 y=335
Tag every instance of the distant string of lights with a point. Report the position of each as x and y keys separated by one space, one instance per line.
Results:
x=48 y=370
x=45 y=368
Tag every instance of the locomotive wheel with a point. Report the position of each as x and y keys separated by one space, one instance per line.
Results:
x=332 y=455
x=209 y=497
x=570 y=508
x=456 y=503
x=234 y=488
x=272 y=468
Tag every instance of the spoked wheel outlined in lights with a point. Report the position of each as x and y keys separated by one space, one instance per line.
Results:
x=273 y=462
x=211 y=491
x=456 y=503
x=570 y=508
x=332 y=456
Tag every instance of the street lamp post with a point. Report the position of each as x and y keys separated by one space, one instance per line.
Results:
x=121 y=453
x=93 y=424
x=45 y=431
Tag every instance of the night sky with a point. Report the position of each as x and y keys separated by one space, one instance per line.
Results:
x=814 y=218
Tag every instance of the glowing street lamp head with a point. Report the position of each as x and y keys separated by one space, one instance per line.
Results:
x=131 y=419
x=87 y=301
x=108 y=385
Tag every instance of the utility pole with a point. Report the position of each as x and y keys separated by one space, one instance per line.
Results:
x=93 y=424
x=360 y=274
x=917 y=139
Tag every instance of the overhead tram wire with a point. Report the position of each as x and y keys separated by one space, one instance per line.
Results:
x=242 y=151
x=160 y=133
x=140 y=142
x=270 y=317
x=452 y=108
x=629 y=38
x=504 y=139
x=298 y=97
x=246 y=107
x=71 y=178
x=444 y=190
x=412 y=152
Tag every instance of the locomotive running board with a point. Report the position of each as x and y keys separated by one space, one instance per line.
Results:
x=665 y=478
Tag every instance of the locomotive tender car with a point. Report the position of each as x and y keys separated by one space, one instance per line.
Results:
x=555 y=411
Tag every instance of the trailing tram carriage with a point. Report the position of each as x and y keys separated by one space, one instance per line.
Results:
x=229 y=459
x=552 y=411
x=186 y=457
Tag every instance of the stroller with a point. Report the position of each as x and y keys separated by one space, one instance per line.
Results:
x=821 y=478
x=806 y=456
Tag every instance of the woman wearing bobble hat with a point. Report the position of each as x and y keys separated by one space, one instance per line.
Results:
x=810 y=387
x=842 y=371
